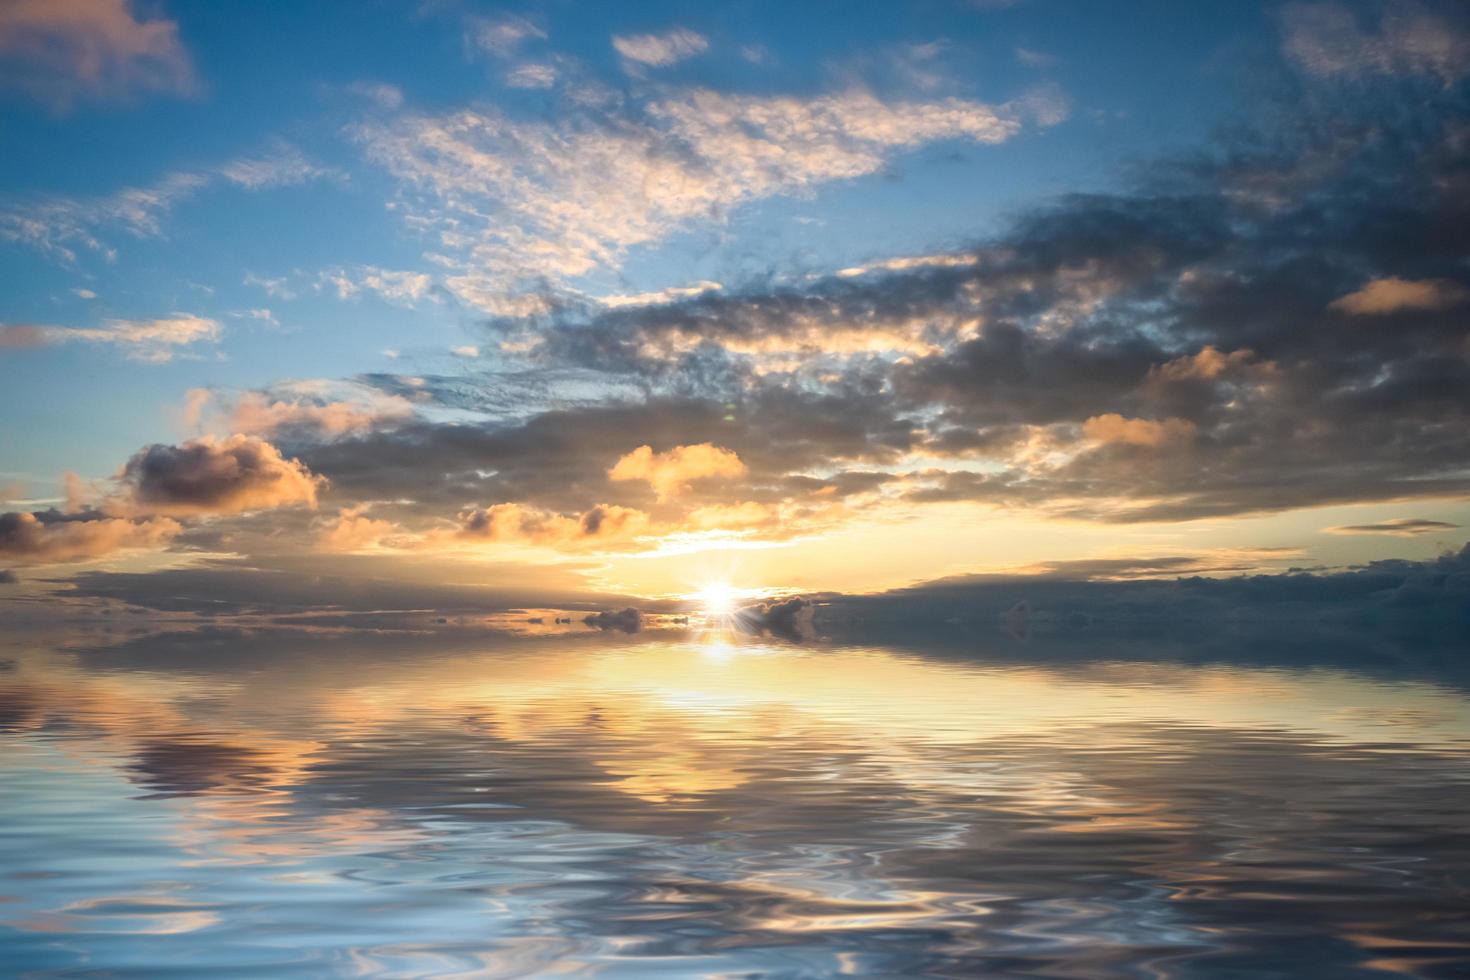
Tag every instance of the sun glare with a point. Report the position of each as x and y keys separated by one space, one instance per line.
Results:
x=717 y=598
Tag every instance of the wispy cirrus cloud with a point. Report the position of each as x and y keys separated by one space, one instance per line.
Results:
x=519 y=204
x=59 y=225
x=61 y=52
x=660 y=50
x=154 y=341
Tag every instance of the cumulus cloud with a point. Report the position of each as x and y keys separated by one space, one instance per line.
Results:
x=153 y=341
x=670 y=473
x=1401 y=527
x=207 y=476
x=660 y=50
x=1395 y=295
x=64 y=51
x=520 y=203
x=52 y=537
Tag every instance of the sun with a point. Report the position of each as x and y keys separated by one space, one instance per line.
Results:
x=718 y=598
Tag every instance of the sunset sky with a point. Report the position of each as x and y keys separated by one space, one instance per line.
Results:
x=555 y=299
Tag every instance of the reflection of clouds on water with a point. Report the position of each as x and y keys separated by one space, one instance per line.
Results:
x=771 y=807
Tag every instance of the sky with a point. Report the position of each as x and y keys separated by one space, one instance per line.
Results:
x=557 y=299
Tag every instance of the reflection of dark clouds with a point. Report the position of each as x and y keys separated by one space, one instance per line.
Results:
x=188 y=766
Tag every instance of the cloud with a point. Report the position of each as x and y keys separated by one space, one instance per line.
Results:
x=629 y=620
x=324 y=409
x=1394 y=295
x=153 y=341
x=671 y=473
x=1329 y=40
x=1402 y=527
x=532 y=74
x=511 y=522
x=208 y=476
x=52 y=537
x=518 y=205
x=285 y=167
x=58 y=225
x=352 y=530
x=395 y=285
x=60 y=52
x=502 y=36
x=1137 y=432
x=660 y=50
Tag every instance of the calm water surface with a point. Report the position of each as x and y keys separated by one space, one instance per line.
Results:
x=272 y=803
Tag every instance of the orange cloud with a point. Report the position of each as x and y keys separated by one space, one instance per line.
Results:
x=256 y=413
x=670 y=473
x=26 y=538
x=1206 y=365
x=532 y=525
x=1394 y=295
x=353 y=530
x=1114 y=428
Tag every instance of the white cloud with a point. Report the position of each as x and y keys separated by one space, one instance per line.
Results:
x=501 y=36
x=64 y=51
x=285 y=167
x=276 y=288
x=531 y=75
x=395 y=285
x=660 y=50
x=518 y=204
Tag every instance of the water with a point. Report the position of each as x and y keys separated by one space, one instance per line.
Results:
x=278 y=802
